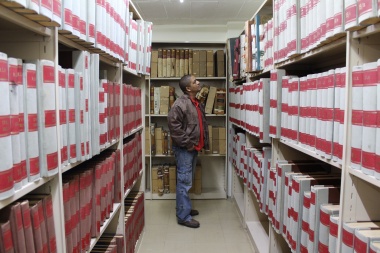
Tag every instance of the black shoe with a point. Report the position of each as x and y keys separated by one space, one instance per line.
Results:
x=194 y=212
x=191 y=223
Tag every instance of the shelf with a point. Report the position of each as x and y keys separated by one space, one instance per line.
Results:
x=29 y=187
x=207 y=193
x=22 y=21
x=73 y=165
x=311 y=153
x=134 y=182
x=239 y=200
x=116 y=207
x=178 y=78
x=368 y=178
x=131 y=71
x=259 y=74
x=367 y=31
x=258 y=235
x=324 y=51
x=133 y=131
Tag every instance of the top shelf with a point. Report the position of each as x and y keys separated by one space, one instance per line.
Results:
x=332 y=50
x=367 y=31
x=9 y=17
x=266 y=8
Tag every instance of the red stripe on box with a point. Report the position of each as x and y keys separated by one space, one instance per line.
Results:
x=15 y=125
x=370 y=118
x=348 y=238
x=31 y=79
x=357 y=117
x=323 y=248
x=356 y=155
x=360 y=246
x=368 y=160
x=71 y=116
x=324 y=218
x=47 y=4
x=48 y=76
x=3 y=70
x=6 y=182
x=305 y=226
x=304 y=249
x=5 y=126
x=73 y=151
x=52 y=161
x=68 y=17
x=50 y=118
x=333 y=229
x=364 y=6
x=34 y=166
x=57 y=7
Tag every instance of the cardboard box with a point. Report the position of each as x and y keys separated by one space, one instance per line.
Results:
x=159 y=147
x=155 y=185
x=198 y=173
x=154 y=172
x=196 y=56
x=222 y=147
x=210 y=56
x=147 y=133
x=220 y=69
x=209 y=140
x=202 y=69
x=158 y=133
x=154 y=56
x=222 y=133
x=147 y=147
x=172 y=173
x=197 y=187
x=215 y=146
x=219 y=55
x=215 y=133
x=164 y=92
x=164 y=101
x=210 y=100
x=210 y=69
x=172 y=186
x=154 y=70
x=164 y=109
x=202 y=56
x=195 y=68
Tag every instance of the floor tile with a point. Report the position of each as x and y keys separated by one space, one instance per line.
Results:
x=220 y=231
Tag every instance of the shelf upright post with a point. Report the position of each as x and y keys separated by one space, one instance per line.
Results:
x=257 y=21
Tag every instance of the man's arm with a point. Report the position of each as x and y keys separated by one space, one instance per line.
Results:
x=175 y=121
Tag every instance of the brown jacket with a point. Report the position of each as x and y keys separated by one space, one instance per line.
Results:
x=183 y=123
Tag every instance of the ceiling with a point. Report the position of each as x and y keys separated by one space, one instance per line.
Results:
x=196 y=12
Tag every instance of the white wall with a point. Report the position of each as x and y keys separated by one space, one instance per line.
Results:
x=196 y=33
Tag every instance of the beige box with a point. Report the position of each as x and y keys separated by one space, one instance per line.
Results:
x=154 y=56
x=155 y=185
x=197 y=187
x=215 y=146
x=198 y=173
x=172 y=173
x=202 y=56
x=210 y=56
x=159 y=147
x=202 y=69
x=147 y=133
x=158 y=133
x=209 y=140
x=196 y=56
x=222 y=133
x=154 y=172
x=210 y=100
x=215 y=133
x=172 y=186
x=164 y=92
x=210 y=69
x=164 y=101
x=154 y=70
x=219 y=55
x=220 y=69
x=222 y=147
x=147 y=147
x=164 y=109
x=195 y=68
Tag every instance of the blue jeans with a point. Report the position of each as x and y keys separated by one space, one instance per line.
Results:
x=186 y=161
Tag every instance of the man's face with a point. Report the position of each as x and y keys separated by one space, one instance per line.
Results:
x=194 y=86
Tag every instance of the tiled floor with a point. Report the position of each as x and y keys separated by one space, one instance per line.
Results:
x=220 y=230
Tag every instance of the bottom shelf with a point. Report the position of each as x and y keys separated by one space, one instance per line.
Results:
x=258 y=235
x=116 y=207
x=207 y=193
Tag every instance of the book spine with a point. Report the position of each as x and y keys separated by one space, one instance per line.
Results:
x=333 y=236
x=17 y=229
x=7 y=244
x=36 y=225
x=27 y=225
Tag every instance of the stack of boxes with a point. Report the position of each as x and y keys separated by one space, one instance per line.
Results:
x=164 y=100
x=220 y=66
x=202 y=63
x=154 y=64
x=196 y=66
x=218 y=140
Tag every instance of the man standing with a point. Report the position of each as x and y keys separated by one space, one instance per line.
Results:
x=189 y=132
